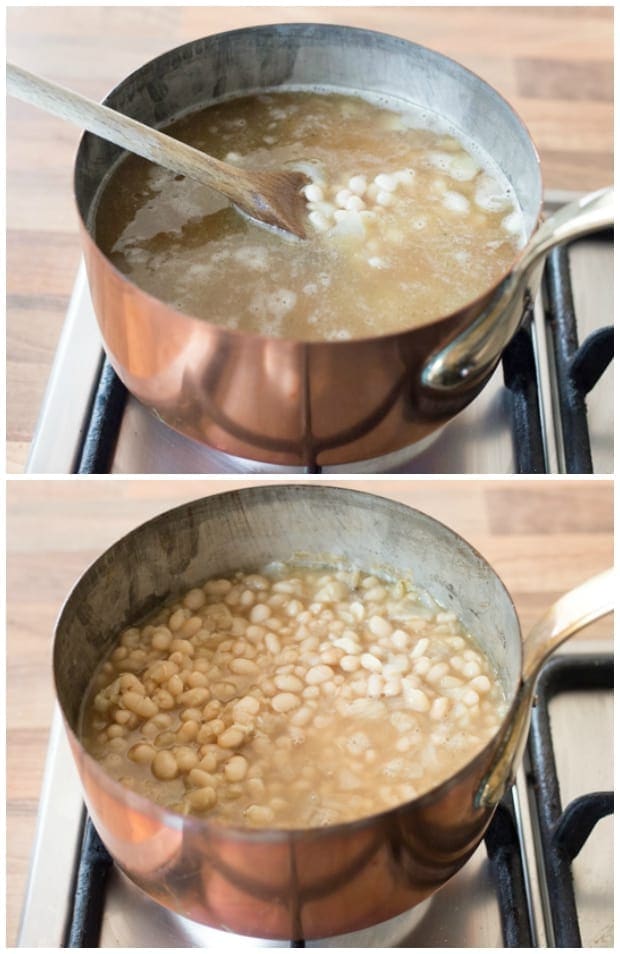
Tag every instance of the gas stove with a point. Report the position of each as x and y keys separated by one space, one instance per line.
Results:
x=521 y=888
x=547 y=409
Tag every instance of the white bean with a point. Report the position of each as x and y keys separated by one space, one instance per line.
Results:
x=313 y=192
x=385 y=182
x=481 y=684
x=471 y=669
x=439 y=708
x=236 y=768
x=321 y=224
x=371 y=663
x=375 y=685
x=285 y=701
x=231 y=738
x=288 y=683
x=318 y=674
x=243 y=667
x=273 y=644
x=471 y=698
x=259 y=613
x=379 y=626
x=417 y=700
x=355 y=204
x=456 y=202
x=358 y=184
x=420 y=648
x=350 y=663
x=259 y=814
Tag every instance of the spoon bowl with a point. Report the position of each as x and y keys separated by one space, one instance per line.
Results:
x=270 y=198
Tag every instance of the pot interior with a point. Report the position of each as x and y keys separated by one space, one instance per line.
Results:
x=244 y=530
x=309 y=55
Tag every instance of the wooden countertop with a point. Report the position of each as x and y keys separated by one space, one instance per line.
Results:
x=554 y=64
x=542 y=536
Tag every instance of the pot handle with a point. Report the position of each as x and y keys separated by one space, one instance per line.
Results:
x=469 y=357
x=573 y=611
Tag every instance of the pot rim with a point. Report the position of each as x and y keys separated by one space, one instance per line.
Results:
x=475 y=304
x=206 y=826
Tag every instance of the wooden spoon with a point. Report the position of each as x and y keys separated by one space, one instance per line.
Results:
x=272 y=198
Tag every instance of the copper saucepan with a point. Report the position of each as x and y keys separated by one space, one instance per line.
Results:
x=317 y=403
x=316 y=882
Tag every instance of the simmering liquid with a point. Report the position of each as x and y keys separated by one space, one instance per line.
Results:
x=292 y=698
x=406 y=223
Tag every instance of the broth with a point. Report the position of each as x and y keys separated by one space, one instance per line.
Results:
x=292 y=698
x=406 y=222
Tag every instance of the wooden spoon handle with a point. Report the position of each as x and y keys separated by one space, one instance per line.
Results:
x=127 y=132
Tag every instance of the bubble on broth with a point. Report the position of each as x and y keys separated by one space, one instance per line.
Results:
x=254 y=256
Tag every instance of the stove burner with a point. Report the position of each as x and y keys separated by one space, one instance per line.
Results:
x=563 y=833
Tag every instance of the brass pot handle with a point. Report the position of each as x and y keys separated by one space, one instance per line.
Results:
x=573 y=611
x=470 y=357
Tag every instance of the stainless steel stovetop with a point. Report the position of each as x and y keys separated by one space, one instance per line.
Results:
x=465 y=913
x=479 y=440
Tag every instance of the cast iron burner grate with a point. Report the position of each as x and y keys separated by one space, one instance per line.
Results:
x=577 y=369
x=563 y=832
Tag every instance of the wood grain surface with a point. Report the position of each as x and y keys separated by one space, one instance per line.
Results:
x=554 y=64
x=542 y=536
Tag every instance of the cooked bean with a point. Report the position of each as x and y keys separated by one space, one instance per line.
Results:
x=194 y=697
x=259 y=814
x=418 y=700
x=188 y=731
x=231 y=738
x=164 y=765
x=371 y=663
x=143 y=707
x=194 y=599
x=285 y=701
x=420 y=648
x=200 y=778
x=471 y=698
x=175 y=685
x=176 y=620
x=379 y=626
x=318 y=674
x=260 y=613
x=116 y=731
x=244 y=667
x=471 y=669
x=183 y=646
x=439 y=707
x=236 y=768
x=273 y=644
x=141 y=753
x=249 y=704
x=186 y=758
x=481 y=684
x=202 y=799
